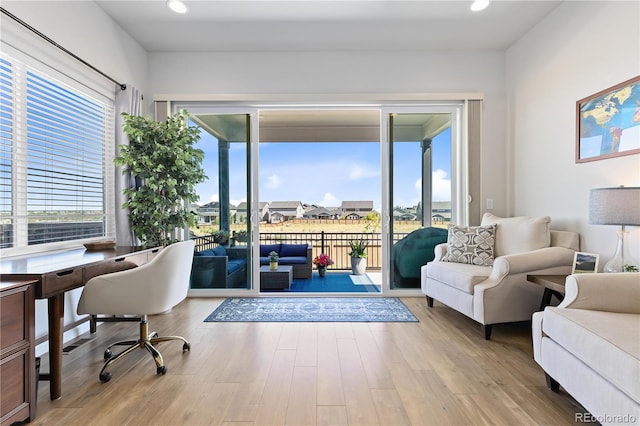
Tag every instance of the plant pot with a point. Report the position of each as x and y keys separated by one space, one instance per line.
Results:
x=322 y=270
x=358 y=265
x=273 y=266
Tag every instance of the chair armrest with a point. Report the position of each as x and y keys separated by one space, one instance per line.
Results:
x=544 y=258
x=611 y=292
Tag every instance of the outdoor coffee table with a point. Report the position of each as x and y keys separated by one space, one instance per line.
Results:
x=276 y=279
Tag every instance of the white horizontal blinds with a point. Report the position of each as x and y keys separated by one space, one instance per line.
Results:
x=6 y=162
x=65 y=162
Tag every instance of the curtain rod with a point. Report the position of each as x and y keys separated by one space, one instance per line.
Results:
x=74 y=56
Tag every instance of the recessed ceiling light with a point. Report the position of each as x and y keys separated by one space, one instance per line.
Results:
x=479 y=5
x=177 y=6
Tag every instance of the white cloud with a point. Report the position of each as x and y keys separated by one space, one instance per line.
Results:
x=330 y=200
x=359 y=172
x=440 y=186
x=273 y=182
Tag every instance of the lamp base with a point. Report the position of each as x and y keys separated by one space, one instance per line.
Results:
x=616 y=263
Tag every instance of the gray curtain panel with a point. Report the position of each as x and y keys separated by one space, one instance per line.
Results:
x=129 y=101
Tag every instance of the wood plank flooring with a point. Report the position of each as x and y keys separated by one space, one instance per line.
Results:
x=439 y=371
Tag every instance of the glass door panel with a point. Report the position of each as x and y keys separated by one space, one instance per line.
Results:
x=223 y=232
x=420 y=191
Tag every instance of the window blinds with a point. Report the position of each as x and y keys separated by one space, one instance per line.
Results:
x=61 y=144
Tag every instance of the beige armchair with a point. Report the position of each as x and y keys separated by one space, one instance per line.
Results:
x=492 y=287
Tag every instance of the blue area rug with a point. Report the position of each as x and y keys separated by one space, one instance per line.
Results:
x=335 y=282
x=312 y=309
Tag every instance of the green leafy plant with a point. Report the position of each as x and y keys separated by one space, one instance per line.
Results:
x=358 y=248
x=220 y=237
x=162 y=156
x=630 y=268
x=273 y=257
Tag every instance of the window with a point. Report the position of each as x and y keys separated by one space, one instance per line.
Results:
x=56 y=152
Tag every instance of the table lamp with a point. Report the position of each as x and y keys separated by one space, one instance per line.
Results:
x=615 y=206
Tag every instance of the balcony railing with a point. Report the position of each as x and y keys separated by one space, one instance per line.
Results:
x=334 y=244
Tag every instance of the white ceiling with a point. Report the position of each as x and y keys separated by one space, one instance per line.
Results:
x=304 y=25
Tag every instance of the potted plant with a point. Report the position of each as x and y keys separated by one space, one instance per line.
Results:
x=221 y=237
x=273 y=260
x=358 y=254
x=161 y=155
x=322 y=261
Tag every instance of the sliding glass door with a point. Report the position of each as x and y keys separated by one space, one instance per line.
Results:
x=421 y=174
x=223 y=231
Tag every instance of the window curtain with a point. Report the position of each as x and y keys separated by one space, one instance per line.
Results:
x=128 y=100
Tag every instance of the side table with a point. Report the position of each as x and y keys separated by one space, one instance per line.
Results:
x=279 y=279
x=553 y=286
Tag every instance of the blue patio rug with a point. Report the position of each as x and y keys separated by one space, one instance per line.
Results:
x=335 y=282
x=311 y=309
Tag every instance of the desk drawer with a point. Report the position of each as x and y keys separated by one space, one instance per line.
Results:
x=60 y=281
x=14 y=321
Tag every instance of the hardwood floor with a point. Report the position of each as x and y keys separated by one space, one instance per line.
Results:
x=439 y=371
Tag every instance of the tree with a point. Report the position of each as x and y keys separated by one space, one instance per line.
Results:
x=162 y=156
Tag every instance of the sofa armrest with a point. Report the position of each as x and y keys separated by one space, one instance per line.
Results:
x=610 y=292
x=544 y=258
x=439 y=251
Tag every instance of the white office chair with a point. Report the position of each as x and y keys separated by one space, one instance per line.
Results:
x=152 y=288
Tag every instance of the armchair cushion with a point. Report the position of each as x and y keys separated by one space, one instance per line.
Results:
x=472 y=245
x=459 y=276
x=519 y=234
x=265 y=249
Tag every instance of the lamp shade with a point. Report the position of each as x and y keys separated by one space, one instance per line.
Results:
x=615 y=206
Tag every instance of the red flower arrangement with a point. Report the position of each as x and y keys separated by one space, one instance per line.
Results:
x=322 y=260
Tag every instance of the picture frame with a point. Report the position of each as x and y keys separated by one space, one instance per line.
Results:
x=585 y=263
x=608 y=122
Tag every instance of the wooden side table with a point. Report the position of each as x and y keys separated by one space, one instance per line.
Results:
x=553 y=286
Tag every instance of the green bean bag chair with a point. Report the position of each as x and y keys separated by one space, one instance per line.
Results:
x=413 y=251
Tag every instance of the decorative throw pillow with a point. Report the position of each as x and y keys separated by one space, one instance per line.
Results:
x=472 y=245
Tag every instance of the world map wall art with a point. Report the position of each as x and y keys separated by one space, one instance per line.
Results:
x=608 y=122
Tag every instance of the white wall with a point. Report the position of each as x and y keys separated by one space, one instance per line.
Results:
x=373 y=72
x=84 y=29
x=578 y=50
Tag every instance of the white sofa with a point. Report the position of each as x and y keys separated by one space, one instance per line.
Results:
x=501 y=293
x=590 y=344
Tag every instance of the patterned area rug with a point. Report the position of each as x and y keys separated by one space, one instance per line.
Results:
x=312 y=309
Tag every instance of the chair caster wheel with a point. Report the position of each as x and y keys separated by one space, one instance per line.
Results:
x=162 y=370
x=186 y=347
x=105 y=377
x=107 y=354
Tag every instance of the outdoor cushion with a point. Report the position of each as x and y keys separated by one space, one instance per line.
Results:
x=207 y=252
x=219 y=251
x=288 y=250
x=235 y=264
x=268 y=248
x=458 y=275
x=290 y=260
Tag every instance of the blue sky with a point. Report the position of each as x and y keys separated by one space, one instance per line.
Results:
x=327 y=173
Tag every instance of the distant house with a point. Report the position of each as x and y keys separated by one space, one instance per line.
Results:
x=404 y=215
x=441 y=211
x=241 y=213
x=263 y=211
x=281 y=211
x=208 y=213
x=356 y=209
x=320 y=213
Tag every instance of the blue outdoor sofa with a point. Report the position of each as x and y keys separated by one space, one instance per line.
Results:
x=296 y=255
x=219 y=268
x=222 y=267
